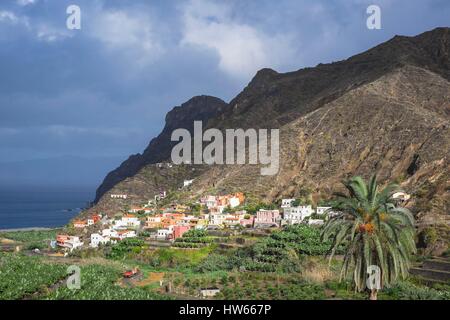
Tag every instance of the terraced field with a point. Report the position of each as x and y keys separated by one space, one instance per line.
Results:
x=25 y=277
x=101 y=283
x=22 y=276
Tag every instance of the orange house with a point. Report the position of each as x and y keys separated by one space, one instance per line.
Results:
x=96 y=218
x=61 y=239
x=80 y=224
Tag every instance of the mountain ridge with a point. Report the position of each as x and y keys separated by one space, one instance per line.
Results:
x=199 y=108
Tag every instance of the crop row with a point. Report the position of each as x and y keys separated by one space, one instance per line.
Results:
x=99 y=282
x=21 y=276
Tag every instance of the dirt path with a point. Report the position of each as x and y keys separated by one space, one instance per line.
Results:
x=153 y=277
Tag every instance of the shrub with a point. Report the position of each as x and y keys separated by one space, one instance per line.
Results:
x=214 y=262
x=427 y=237
x=35 y=245
x=407 y=291
x=123 y=248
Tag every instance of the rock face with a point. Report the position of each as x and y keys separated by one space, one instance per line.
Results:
x=200 y=108
x=385 y=110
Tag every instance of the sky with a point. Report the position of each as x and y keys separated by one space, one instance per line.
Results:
x=71 y=98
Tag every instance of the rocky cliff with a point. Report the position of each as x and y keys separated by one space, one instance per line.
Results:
x=200 y=108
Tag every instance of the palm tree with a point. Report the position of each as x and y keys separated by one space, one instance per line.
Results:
x=374 y=232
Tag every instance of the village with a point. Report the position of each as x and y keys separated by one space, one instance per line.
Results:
x=170 y=223
x=213 y=212
x=211 y=246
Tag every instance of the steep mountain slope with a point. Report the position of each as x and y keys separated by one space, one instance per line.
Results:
x=200 y=108
x=386 y=110
x=273 y=99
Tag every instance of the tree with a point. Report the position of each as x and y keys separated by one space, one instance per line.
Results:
x=375 y=231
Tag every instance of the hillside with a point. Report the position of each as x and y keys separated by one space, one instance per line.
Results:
x=385 y=110
x=200 y=108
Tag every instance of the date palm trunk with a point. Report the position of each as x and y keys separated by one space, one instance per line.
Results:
x=373 y=294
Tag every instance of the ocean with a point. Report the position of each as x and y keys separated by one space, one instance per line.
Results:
x=44 y=207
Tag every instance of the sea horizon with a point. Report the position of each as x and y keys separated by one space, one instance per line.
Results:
x=32 y=206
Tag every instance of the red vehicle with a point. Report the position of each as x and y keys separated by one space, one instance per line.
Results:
x=131 y=273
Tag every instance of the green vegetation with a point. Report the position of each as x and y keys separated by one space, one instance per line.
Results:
x=281 y=288
x=427 y=237
x=281 y=251
x=407 y=291
x=253 y=207
x=375 y=230
x=280 y=264
x=39 y=239
x=304 y=198
x=125 y=248
x=99 y=282
x=193 y=239
x=173 y=258
x=22 y=276
x=196 y=208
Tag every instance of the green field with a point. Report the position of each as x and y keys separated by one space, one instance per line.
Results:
x=288 y=264
x=22 y=276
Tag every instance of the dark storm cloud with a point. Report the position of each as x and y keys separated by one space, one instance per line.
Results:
x=104 y=90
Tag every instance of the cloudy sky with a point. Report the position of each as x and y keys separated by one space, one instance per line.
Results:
x=100 y=93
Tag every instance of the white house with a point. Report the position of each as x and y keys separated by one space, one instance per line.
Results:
x=217 y=219
x=68 y=242
x=209 y=292
x=74 y=243
x=187 y=182
x=119 y=196
x=127 y=221
x=106 y=221
x=210 y=202
x=286 y=203
x=217 y=209
x=108 y=232
x=160 y=196
x=326 y=210
x=401 y=196
x=234 y=202
x=119 y=224
x=294 y=215
x=97 y=239
x=137 y=210
x=231 y=221
x=164 y=234
x=322 y=210
x=122 y=234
